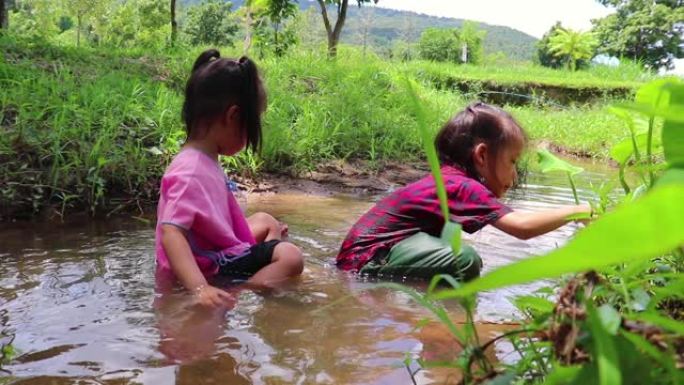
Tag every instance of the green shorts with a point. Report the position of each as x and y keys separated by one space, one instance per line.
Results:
x=424 y=256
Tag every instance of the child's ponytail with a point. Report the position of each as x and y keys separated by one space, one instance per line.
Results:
x=254 y=102
x=204 y=58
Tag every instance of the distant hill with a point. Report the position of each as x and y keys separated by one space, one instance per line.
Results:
x=389 y=26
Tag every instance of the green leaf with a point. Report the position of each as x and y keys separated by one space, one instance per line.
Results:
x=610 y=318
x=673 y=113
x=563 y=375
x=646 y=228
x=538 y=304
x=671 y=176
x=623 y=150
x=451 y=234
x=549 y=162
x=606 y=354
x=673 y=128
x=651 y=93
x=660 y=321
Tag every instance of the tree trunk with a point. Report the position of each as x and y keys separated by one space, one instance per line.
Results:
x=174 y=24
x=334 y=32
x=78 y=31
x=248 y=31
x=4 y=9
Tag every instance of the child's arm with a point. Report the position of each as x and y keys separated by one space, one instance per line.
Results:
x=526 y=225
x=185 y=268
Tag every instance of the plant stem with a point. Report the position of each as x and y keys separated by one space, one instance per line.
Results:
x=623 y=182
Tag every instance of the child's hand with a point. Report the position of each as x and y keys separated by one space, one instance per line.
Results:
x=211 y=296
x=585 y=209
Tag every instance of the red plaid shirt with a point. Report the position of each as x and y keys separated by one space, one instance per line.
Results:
x=415 y=208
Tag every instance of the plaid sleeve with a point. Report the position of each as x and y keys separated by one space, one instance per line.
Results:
x=473 y=206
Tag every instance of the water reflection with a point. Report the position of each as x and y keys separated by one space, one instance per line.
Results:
x=86 y=306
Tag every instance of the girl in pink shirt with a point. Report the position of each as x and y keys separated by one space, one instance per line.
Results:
x=201 y=231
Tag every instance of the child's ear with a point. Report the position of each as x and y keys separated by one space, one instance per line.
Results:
x=480 y=154
x=232 y=114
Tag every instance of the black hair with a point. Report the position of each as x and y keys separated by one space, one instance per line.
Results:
x=215 y=84
x=478 y=123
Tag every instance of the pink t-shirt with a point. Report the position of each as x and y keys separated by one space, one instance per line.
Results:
x=195 y=196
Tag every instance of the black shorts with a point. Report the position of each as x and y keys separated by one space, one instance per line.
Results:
x=257 y=257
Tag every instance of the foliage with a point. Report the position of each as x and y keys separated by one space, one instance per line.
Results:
x=572 y=45
x=544 y=55
x=621 y=325
x=36 y=19
x=210 y=23
x=136 y=23
x=650 y=32
x=333 y=30
x=273 y=33
x=123 y=108
x=448 y=45
x=84 y=11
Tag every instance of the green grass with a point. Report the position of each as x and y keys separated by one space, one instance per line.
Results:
x=88 y=128
x=627 y=76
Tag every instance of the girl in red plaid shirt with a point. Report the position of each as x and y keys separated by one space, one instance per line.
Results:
x=478 y=149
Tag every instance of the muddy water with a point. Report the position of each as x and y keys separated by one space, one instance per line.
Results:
x=85 y=307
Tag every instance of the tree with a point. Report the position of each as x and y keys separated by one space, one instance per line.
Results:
x=277 y=11
x=212 y=23
x=647 y=31
x=449 y=44
x=367 y=21
x=4 y=11
x=544 y=55
x=141 y=23
x=174 y=23
x=439 y=44
x=335 y=30
x=472 y=39
x=83 y=10
x=249 y=9
x=37 y=19
x=573 y=45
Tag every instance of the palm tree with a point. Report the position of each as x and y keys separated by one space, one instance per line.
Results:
x=573 y=45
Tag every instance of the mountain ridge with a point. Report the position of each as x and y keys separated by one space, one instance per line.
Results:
x=388 y=26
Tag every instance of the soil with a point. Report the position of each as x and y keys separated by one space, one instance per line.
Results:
x=357 y=177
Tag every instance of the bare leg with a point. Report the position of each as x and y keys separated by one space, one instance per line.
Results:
x=265 y=228
x=287 y=262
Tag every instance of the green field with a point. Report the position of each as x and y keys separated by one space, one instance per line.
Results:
x=94 y=128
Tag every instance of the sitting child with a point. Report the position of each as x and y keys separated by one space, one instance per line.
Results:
x=201 y=231
x=478 y=149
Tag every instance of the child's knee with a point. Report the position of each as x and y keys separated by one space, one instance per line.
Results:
x=264 y=219
x=290 y=257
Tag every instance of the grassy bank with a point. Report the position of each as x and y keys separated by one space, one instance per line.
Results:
x=95 y=129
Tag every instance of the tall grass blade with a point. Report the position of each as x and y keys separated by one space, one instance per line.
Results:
x=607 y=357
x=451 y=232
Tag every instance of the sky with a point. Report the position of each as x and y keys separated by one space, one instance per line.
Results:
x=534 y=17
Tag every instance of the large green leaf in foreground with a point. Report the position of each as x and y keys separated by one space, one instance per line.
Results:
x=646 y=228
